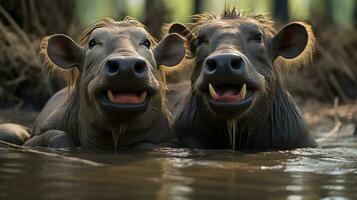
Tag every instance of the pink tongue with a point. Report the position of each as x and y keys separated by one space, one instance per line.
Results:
x=126 y=98
x=227 y=95
x=228 y=92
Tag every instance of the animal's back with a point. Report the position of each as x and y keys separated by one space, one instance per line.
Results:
x=52 y=113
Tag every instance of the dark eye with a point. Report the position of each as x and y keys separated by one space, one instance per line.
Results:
x=92 y=43
x=147 y=43
x=257 y=37
x=201 y=40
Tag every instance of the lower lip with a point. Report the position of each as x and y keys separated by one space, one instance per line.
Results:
x=105 y=103
x=230 y=109
x=126 y=98
x=232 y=100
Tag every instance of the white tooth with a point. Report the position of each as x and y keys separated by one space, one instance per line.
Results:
x=243 y=92
x=212 y=91
x=142 y=96
x=110 y=96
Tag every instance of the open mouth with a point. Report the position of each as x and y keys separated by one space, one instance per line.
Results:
x=230 y=93
x=131 y=102
x=230 y=100
x=126 y=97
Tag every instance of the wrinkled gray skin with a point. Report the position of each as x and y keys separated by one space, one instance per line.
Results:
x=269 y=117
x=78 y=117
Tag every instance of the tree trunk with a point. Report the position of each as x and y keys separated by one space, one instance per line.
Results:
x=156 y=14
x=328 y=14
x=281 y=11
x=355 y=18
x=197 y=8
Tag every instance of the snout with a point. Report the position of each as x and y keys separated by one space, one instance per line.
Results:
x=125 y=67
x=224 y=64
x=229 y=82
x=126 y=85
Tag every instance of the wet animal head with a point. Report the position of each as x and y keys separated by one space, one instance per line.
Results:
x=118 y=63
x=235 y=56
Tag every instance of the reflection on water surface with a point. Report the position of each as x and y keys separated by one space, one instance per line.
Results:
x=320 y=173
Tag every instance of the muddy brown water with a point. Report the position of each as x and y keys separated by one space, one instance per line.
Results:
x=327 y=172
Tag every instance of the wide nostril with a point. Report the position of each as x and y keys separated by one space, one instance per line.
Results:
x=236 y=62
x=211 y=65
x=140 y=66
x=112 y=67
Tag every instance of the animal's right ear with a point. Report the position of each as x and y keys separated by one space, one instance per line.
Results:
x=64 y=52
x=185 y=32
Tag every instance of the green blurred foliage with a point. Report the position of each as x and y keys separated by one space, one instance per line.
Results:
x=180 y=10
x=343 y=12
x=90 y=10
x=300 y=9
x=263 y=6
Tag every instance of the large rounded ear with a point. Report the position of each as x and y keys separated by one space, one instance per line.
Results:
x=180 y=29
x=185 y=32
x=291 y=41
x=64 y=52
x=170 y=51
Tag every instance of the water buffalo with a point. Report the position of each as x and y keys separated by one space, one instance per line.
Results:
x=237 y=98
x=116 y=96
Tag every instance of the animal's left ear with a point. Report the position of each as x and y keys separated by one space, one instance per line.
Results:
x=170 y=51
x=292 y=40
